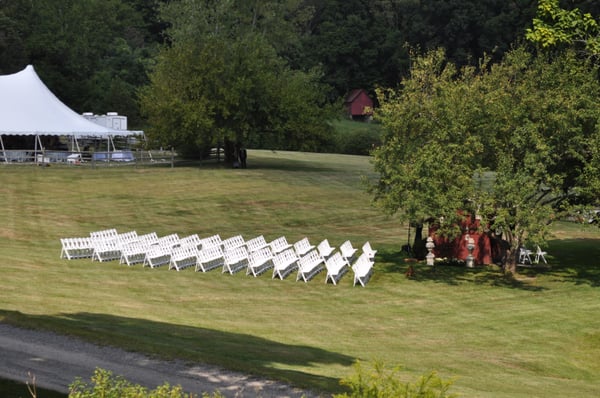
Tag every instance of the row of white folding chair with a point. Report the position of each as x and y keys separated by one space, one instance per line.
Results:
x=260 y=261
x=309 y=265
x=325 y=249
x=339 y=263
x=183 y=256
x=302 y=247
x=235 y=259
x=210 y=258
x=283 y=263
x=159 y=252
x=76 y=248
x=336 y=267
x=525 y=255
x=191 y=240
x=109 y=248
x=362 y=268
x=135 y=251
x=82 y=247
x=256 y=243
x=280 y=244
x=233 y=242
x=210 y=241
x=104 y=234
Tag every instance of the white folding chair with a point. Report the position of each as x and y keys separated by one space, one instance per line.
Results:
x=524 y=256
x=540 y=254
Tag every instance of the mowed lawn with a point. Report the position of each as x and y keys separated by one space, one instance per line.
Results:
x=535 y=335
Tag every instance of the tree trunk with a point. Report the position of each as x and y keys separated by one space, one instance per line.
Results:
x=510 y=266
x=419 y=250
x=512 y=257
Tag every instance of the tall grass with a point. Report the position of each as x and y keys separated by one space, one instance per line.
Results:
x=534 y=335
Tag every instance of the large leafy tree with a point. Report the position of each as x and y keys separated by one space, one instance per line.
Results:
x=515 y=143
x=557 y=28
x=221 y=80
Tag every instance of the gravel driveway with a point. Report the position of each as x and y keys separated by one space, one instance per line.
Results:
x=57 y=360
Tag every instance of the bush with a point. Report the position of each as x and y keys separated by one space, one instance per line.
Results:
x=381 y=382
x=358 y=142
x=105 y=385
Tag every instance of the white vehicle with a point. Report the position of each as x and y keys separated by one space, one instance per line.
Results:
x=74 y=158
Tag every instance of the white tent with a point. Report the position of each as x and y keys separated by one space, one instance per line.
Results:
x=28 y=107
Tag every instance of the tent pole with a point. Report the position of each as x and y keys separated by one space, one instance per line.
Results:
x=77 y=143
x=35 y=152
x=3 y=150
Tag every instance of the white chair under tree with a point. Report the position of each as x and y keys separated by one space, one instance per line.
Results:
x=540 y=255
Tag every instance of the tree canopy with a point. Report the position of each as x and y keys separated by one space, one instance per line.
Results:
x=514 y=143
x=555 y=27
x=221 y=80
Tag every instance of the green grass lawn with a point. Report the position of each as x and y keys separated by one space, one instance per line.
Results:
x=534 y=335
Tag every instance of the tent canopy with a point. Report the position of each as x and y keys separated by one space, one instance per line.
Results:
x=28 y=107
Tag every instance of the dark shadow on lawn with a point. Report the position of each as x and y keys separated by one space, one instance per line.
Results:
x=576 y=261
x=233 y=351
x=288 y=165
x=389 y=261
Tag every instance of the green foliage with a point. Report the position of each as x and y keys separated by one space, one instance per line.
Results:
x=355 y=138
x=105 y=385
x=378 y=381
x=555 y=27
x=222 y=80
x=532 y=122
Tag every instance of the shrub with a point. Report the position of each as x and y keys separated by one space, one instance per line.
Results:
x=358 y=142
x=105 y=385
x=381 y=382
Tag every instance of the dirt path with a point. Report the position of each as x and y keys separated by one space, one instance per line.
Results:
x=57 y=360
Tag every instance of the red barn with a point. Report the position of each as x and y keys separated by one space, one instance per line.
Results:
x=358 y=104
x=488 y=246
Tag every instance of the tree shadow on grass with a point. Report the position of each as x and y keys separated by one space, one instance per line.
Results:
x=234 y=351
x=575 y=261
x=396 y=262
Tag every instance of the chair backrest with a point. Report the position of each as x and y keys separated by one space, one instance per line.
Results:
x=256 y=243
x=335 y=263
x=104 y=234
x=284 y=258
x=236 y=254
x=181 y=252
x=214 y=240
x=362 y=266
x=261 y=255
x=310 y=260
x=279 y=244
x=302 y=246
x=347 y=249
x=168 y=240
x=233 y=242
x=325 y=248
x=190 y=240
x=210 y=253
x=148 y=238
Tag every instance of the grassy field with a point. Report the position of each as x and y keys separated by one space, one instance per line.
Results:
x=535 y=335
